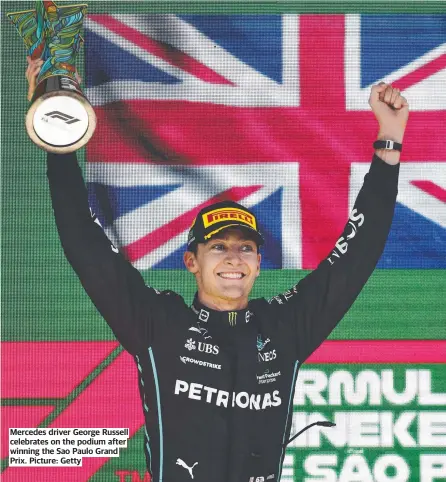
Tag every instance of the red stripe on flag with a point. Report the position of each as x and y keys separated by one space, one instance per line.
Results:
x=432 y=189
x=194 y=133
x=422 y=73
x=380 y=351
x=156 y=238
x=162 y=50
x=321 y=56
x=323 y=190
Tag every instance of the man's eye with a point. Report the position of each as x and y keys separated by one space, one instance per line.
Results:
x=218 y=247
x=247 y=248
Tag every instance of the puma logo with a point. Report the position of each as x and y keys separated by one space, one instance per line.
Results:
x=181 y=463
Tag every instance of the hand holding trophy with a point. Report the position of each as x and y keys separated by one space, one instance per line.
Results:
x=60 y=118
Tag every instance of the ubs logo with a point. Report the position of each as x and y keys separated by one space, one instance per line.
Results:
x=203 y=347
x=208 y=348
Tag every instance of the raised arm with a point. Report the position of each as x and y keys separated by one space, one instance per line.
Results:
x=116 y=288
x=318 y=302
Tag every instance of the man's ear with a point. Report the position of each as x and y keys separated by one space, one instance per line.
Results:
x=259 y=260
x=190 y=261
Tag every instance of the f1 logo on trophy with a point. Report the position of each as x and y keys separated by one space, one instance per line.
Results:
x=60 y=118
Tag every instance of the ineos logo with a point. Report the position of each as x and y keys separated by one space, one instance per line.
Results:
x=55 y=114
x=267 y=356
x=342 y=243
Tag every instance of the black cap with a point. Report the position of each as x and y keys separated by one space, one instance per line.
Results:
x=216 y=217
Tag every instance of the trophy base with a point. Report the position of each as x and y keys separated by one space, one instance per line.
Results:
x=60 y=120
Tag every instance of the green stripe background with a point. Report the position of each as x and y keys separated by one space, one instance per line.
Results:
x=48 y=303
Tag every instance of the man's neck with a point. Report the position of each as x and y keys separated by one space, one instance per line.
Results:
x=222 y=304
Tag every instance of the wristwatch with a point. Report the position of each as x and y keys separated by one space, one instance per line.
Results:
x=388 y=145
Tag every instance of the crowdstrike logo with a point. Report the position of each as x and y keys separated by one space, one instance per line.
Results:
x=222 y=398
x=186 y=359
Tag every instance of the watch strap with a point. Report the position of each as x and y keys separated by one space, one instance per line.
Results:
x=388 y=145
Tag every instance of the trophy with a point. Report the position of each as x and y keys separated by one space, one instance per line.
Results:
x=60 y=118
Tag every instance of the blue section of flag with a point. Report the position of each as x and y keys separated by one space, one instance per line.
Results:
x=122 y=200
x=414 y=242
x=254 y=39
x=389 y=42
x=106 y=62
x=174 y=260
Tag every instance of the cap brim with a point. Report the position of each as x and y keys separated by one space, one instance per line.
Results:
x=252 y=232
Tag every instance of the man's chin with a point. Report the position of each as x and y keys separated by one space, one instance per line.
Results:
x=233 y=293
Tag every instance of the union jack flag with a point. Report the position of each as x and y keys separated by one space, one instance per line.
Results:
x=267 y=110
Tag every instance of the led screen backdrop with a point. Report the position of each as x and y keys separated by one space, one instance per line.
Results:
x=270 y=109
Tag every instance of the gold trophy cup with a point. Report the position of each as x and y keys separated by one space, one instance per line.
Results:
x=60 y=118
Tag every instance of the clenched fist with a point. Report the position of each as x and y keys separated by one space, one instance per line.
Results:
x=391 y=110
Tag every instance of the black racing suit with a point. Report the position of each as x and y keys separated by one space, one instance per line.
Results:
x=217 y=387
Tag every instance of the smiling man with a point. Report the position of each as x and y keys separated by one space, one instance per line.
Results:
x=217 y=378
x=223 y=254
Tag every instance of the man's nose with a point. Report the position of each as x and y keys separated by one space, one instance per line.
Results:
x=233 y=256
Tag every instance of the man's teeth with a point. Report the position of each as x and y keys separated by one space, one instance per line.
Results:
x=231 y=275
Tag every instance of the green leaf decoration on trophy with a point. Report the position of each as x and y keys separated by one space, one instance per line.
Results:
x=60 y=118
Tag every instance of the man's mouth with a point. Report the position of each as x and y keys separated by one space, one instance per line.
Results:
x=231 y=275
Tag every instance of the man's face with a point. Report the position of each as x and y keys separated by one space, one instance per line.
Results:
x=225 y=269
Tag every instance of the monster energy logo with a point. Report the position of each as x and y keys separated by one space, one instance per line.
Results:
x=55 y=114
x=232 y=318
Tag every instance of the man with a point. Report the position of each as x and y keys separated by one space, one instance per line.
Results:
x=217 y=379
